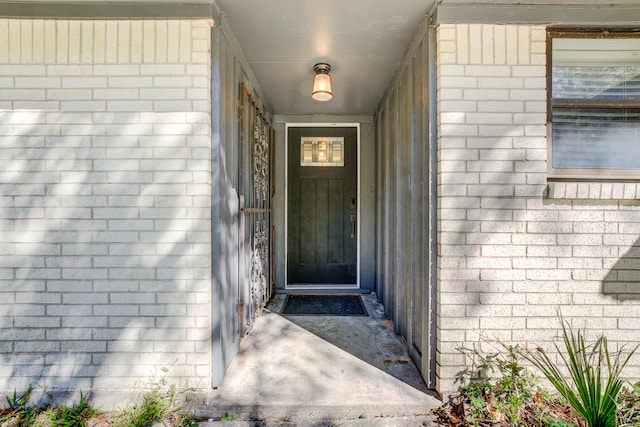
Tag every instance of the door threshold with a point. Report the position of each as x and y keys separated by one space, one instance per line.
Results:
x=315 y=288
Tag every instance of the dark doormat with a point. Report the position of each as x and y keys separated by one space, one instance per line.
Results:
x=324 y=305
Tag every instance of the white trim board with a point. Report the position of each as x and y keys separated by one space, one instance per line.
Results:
x=329 y=286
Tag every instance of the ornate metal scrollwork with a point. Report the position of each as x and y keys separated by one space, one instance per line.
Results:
x=256 y=163
x=260 y=245
x=259 y=262
x=260 y=159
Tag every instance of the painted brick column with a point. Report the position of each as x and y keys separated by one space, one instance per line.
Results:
x=514 y=249
x=105 y=193
x=491 y=167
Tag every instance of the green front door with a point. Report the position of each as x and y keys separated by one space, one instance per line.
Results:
x=322 y=206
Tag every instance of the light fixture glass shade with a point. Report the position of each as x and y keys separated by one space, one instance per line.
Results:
x=322 y=87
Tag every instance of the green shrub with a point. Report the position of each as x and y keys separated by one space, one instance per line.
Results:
x=594 y=380
x=17 y=412
x=496 y=390
x=73 y=416
x=159 y=402
x=629 y=406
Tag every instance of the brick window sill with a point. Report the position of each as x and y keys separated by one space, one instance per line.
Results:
x=593 y=190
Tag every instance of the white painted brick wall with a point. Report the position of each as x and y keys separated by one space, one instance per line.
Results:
x=104 y=190
x=514 y=249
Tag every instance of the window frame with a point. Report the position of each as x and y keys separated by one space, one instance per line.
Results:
x=564 y=174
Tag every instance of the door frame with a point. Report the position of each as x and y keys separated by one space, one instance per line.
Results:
x=329 y=286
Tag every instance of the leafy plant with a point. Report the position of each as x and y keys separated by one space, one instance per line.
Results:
x=594 y=380
x=73 y=416
x=495 y=390
x=629 y=406
x=226 y=417
x=16 y=402
x=44 y=417
x=479 y=367
x=159 y=401
x=17 y=412
x=189 y=420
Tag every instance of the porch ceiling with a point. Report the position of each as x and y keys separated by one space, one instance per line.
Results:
x=363 y=40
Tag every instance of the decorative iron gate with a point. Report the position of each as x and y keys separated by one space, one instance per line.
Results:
x=255 y=190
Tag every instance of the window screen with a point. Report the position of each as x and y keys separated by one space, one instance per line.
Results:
x=595 y=105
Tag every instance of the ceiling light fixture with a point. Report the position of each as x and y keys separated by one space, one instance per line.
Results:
x=322 y=82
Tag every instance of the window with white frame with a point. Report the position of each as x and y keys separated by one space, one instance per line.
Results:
x=594 y=105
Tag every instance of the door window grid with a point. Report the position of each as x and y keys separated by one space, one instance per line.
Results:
x=322 y=151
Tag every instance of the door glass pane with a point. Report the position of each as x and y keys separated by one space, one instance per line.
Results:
x=321 y=151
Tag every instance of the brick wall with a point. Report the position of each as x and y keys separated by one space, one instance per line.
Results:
x=514 y=249
x=105 y=195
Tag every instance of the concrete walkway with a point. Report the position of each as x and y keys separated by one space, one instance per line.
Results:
x=322 y=370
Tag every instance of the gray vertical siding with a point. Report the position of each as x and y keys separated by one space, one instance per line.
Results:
x=367 y=208
x=404 y=208
x=229 y=70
